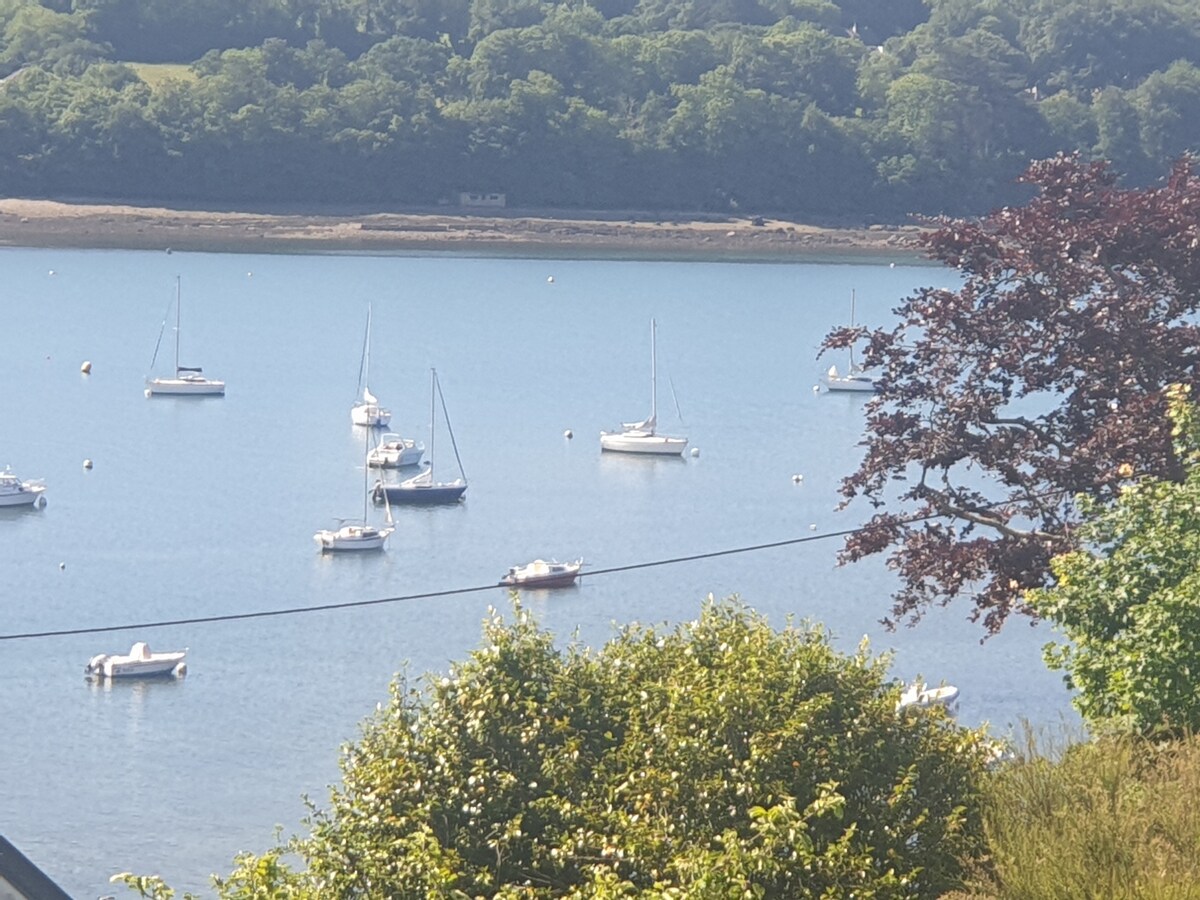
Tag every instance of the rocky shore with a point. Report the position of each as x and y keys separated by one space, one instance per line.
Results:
x=49 y=223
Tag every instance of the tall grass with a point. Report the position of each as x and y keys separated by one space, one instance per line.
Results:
x=1113 y=818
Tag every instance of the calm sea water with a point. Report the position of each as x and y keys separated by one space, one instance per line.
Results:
x=207 y=507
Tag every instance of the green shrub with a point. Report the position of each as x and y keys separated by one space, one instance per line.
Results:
x=721 y=758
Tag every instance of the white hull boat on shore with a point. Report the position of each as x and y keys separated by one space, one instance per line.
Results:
x=140 y=662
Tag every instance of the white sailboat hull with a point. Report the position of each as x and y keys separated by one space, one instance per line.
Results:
x=352 y=537
x=371 y=415
x=635 y=442
x=188 y=380
x=861 y=384
x=186 y=386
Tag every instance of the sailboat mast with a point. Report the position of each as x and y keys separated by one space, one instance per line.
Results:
x=178 y=291
x=653 y=374
x=851 y=325
x=367 y=471
x=432 y=414
x=364 y=369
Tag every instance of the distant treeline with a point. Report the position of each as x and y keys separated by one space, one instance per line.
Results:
x=853 y=108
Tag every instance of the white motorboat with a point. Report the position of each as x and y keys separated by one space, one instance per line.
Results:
x=541 y=573
x=188 y=380
x=15 y=492
x=421 y=489
x=366 y=410
x=395 y=452
x=356 y=534
x=642 y=437
x=855 y=379
x=140 y=662
x=919 y=694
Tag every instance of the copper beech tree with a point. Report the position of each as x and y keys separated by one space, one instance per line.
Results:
x=1039 y=379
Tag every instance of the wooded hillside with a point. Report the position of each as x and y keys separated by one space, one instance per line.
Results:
x=855 y=109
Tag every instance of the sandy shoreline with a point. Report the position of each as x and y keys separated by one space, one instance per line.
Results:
x=49 y=223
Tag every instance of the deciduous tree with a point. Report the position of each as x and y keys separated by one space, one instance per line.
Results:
x=1128 y=601
x=1039 y=378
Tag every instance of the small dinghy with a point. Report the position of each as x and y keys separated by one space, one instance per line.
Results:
x=920 y=694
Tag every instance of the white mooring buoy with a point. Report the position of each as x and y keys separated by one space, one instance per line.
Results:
x=86 y=368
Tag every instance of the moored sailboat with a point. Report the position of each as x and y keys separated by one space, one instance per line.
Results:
x=422 y=489
x=366 y=410
x=855 y=379
x=643 y=437
x=187 y=380
x=357 y=534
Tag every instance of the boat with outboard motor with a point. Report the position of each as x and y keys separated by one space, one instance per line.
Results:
x=139 y=662
x=543 y=574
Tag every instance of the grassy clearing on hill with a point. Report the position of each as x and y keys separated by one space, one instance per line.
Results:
x=155 y=74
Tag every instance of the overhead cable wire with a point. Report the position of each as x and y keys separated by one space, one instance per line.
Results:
x=426 y=595
x=454 y=592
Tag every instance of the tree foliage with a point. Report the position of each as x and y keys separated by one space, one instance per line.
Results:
x=848 y=107
x=1128 y=601
x=1040 y=378
x=720 y=758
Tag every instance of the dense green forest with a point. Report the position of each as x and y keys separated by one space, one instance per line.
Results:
x=818 y=108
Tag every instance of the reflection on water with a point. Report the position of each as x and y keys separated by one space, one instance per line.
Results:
x=638 y=468
x=138 y=688
x=130 y=699
x=27 y=509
